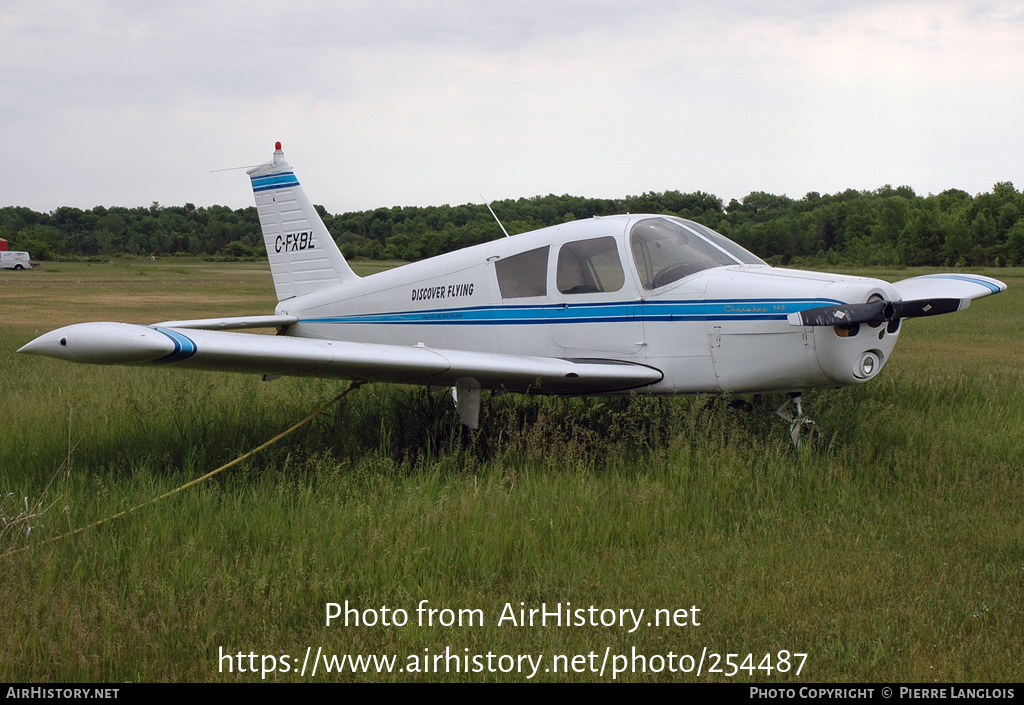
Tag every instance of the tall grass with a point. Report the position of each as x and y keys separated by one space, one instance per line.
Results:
x=890 y=551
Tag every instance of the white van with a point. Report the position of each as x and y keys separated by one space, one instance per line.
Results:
x=14 y=260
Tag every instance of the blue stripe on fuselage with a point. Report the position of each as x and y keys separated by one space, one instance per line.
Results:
x=715 y=310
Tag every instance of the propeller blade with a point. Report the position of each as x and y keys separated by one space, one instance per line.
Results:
x=929 y=307
x=840 y=315
x=874 y=312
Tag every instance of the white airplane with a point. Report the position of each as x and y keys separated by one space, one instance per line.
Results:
x=619 y=305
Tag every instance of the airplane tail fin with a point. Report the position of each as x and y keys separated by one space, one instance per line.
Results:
x=303 y=256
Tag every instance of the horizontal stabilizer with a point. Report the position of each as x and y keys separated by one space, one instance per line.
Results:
x=238 y=323
x=193 y=348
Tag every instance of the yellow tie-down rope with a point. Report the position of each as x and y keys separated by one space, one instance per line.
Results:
x=351 y=388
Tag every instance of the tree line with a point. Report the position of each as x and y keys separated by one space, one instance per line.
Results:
x=886 y=226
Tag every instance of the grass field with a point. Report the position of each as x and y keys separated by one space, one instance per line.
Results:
x=892 y=552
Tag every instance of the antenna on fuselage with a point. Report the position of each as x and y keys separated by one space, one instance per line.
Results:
x=495 y=216
x=234 y=168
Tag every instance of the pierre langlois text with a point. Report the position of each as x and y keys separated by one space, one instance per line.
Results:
x=557 y=614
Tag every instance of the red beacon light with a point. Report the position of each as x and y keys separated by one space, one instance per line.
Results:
x=277 y=146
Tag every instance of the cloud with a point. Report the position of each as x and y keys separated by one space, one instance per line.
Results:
x=428 y=102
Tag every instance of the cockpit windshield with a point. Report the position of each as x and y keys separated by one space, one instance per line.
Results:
x=668 y=249
x=744 y=256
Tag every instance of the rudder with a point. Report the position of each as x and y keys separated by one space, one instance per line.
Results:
x=303 y=256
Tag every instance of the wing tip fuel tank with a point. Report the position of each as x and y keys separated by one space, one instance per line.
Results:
x=104 y=344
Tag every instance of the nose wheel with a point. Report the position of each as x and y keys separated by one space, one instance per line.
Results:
x=801 y=428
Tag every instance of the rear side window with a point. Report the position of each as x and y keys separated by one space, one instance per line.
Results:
x=525 y=274
x=589 y=266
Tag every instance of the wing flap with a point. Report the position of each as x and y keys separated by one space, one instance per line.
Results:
x=287 y=355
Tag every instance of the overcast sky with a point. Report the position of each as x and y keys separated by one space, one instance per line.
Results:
x=413 y=102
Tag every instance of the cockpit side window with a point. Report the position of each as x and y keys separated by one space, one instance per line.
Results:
x=525 y=274
x=589 y=266
x=665 y=251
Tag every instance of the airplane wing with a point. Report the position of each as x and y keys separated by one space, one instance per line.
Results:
x=951 y=286
x=198 y=348
x=927 y=295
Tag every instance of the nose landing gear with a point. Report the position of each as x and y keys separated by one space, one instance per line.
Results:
x=801 y=428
